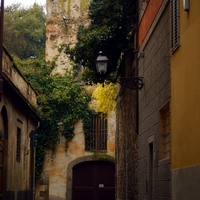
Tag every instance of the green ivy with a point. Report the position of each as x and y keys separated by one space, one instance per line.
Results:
x=61 y=102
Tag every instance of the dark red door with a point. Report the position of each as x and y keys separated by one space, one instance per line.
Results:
x=94 y=181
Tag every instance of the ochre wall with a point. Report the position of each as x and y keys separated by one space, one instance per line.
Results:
x=185 y=76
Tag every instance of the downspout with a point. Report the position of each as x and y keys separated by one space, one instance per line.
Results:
x=1 y=47
x=34 y=162
x=136 y=75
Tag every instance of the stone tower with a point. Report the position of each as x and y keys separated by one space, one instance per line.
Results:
x=63 y=19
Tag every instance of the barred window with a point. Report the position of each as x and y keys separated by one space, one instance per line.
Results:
x=18 y=145
x=98 y=133
x=165 y=127
x=175 y=29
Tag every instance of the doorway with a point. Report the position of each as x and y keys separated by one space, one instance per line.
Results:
x=94 y=180
x=150 y=185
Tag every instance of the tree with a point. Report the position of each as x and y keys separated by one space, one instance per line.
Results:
x=24 y=31
x=110 y=29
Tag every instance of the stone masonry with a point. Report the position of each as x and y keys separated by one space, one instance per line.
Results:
x=63 y=19
x=154 y=66
x=126 y=138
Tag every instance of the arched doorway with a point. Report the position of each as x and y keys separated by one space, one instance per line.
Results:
x=93 y=180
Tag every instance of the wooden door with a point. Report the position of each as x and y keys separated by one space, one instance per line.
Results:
x=94 y=181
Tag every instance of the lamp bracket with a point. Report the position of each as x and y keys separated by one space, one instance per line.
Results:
x=135 y=83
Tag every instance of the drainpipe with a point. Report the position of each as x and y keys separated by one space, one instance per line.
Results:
x=136 y=75
x=1 y=47
x=34 y=157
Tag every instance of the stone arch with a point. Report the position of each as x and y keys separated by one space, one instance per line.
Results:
x=82 y=160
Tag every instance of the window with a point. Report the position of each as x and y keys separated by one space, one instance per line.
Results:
x=18 y=145
x=98 y=133
x=165 y=130
x=174 y=25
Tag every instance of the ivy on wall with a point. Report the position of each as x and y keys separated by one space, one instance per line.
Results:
x=61 y=103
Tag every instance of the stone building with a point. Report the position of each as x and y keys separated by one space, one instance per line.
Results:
x=76 y=173
x=143 y=129
x=154 y=177
x=18 y=117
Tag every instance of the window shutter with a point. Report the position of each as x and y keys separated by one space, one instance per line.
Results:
x=174 y=25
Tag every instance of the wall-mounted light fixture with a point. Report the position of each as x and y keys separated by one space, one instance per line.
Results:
x=135 y=83
x=186 y=5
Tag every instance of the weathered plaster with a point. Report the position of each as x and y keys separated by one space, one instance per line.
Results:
x=60 y=32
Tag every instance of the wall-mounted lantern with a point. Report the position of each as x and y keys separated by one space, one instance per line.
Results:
x=101 y=63
x=135 y=83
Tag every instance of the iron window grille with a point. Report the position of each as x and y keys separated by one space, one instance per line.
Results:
x=98 y=133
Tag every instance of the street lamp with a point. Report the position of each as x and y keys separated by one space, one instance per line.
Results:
x=101 y=63
x=135 y=83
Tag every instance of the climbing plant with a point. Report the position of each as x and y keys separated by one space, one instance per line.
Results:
x=110 y=31
x=104 y=98
x=61 y=102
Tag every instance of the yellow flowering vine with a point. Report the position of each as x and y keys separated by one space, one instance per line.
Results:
x=104 y=98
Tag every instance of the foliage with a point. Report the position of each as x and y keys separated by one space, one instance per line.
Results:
x=109 y=31
x=62 y=101
x=105 y=98
x=24 y=31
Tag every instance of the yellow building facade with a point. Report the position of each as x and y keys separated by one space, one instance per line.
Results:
x=185 y=98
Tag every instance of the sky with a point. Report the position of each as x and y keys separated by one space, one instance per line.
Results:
x=24 y=2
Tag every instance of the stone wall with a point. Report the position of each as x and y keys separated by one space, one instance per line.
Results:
x=126 y=139
x=57 y=165
x=154 y=66
x=63 y=19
